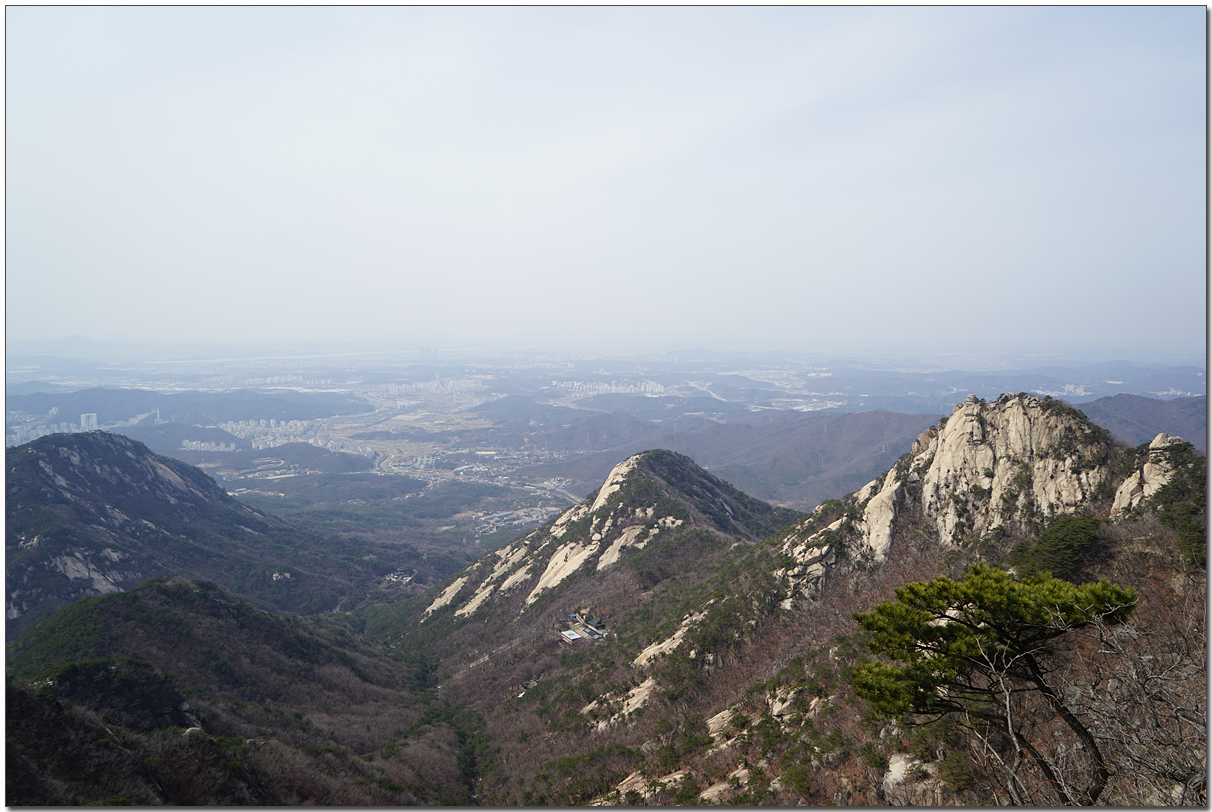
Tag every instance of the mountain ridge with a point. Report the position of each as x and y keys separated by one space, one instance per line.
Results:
x=95 y=512
x=671 y=639
x=988 y=477
x=656 y=498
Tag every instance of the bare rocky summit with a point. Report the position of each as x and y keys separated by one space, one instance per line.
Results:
x=990 y=472
x=648 y=499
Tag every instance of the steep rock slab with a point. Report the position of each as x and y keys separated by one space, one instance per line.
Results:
x=647 y=497
x=1156 y=472
x=982 y=461
x=987 y=469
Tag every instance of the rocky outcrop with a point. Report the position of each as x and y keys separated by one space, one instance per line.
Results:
x=647 y=496
x=988 y=468
x=97 y=568
x=910 y=782
x=598 y=530
x=993 y=464
x=1150 y=478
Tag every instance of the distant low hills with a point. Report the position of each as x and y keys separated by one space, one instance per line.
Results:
x=520 y=412
x=665 y=407
x=300 y=456
x=1135 y=419
x=600 y=431
x=794 y=462
x=200 y=408
x=168 y=438
x=30 y=387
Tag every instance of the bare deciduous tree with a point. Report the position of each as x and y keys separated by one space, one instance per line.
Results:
x=1142 y=687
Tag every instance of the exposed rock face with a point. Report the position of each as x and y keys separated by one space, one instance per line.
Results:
x=94 y=513
x=988 y=466
x=1016 y=451
x=646 y=497
x=1007 y=455
x=103 y=577
x=1154 y=474
x=909 y=782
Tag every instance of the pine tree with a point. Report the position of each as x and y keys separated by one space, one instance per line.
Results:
x=977 y=650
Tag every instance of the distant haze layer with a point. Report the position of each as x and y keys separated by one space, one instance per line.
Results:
x=751 y=178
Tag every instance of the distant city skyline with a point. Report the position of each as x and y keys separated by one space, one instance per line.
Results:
x=1004 y=180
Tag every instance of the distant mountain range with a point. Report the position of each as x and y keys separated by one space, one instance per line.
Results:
x=798 y=461
x=200 y=408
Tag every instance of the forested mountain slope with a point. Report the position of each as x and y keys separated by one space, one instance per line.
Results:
x=94 y=513
x=178 y=692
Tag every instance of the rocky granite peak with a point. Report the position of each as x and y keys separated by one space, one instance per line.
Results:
x=999 y=464
x=990 y=469
x=647 y=497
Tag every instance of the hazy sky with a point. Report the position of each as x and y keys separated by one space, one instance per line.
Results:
x=744 y=178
